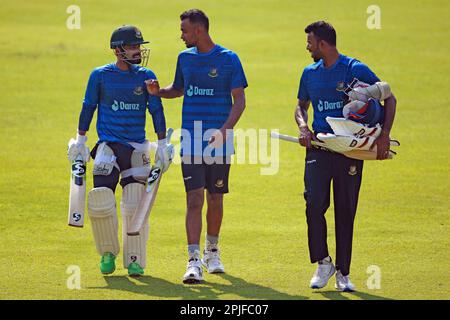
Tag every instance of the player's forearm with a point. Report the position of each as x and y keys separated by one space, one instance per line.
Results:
x=159 y=121
x=170 y=92
x=86 y=115
x=236 y=112
x=301 y=116
x=390 y=105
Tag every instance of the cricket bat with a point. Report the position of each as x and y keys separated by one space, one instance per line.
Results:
x=77 y=198
x=148 y=197
x=355 y=154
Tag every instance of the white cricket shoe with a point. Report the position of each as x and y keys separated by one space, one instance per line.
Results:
x=194 y=272
x=211 y=259
x=343 y=283
x=324 y=272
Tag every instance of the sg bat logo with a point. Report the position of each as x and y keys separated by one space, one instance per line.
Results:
x=78 y=168
x=76 y=216
x=154 y=175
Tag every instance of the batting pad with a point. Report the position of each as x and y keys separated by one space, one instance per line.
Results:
x=345 y=143
x=134 y=247
x=362 y=91
x=346 y=127
x=366 y=154
x=102 y=212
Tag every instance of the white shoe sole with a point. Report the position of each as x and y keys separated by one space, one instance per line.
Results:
x=344 y=289
x=192 y=279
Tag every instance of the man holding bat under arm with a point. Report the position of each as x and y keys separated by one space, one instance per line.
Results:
x=320 y=85
x=118 y=92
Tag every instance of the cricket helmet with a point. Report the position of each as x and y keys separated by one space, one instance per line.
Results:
x=126 y=35
x=369 y=113
x=129 y=35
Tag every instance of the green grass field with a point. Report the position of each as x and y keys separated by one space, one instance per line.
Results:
x=402 y=225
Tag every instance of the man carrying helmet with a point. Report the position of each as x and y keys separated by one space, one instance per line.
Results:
x=118 y=92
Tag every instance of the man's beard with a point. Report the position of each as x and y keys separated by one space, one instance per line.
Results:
x=135 y=61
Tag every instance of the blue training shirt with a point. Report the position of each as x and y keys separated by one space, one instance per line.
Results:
x=319 y=85
x=122 y=100
x=207 y=80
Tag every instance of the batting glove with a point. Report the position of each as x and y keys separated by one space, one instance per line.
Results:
x=77 y=147
x=164 y=154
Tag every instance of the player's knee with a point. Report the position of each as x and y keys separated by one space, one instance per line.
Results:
x=131 y=196
x=195 y=199
x=101 y=202
x=215 y=200
x=315 y=205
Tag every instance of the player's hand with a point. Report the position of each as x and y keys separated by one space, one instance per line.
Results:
x=164 y=153
x=76 y=147
x=218 y=138
x=152 y=86
x=382 y=143
x=305 y=136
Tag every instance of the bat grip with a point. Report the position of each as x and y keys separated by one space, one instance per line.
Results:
x=169 y=135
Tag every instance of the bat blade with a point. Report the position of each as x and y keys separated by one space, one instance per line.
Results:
x=148 y=197
x=77 y=197
x=355 y=154
x=146 y=202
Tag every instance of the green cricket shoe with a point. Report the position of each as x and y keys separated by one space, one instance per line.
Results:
x=108 y=264
x=135 y=270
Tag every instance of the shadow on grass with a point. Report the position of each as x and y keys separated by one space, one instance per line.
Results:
x=337 y=295
x=160 y=288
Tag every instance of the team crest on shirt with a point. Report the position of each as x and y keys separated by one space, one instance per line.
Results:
x=352 y=171
x=138 y=91
x=213 y=73
x=219 y=183
x=340 y=86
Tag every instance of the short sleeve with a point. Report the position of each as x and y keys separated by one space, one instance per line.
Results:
x=363 y=73
x=302 y=88
x=238 y=79
x=178 y=82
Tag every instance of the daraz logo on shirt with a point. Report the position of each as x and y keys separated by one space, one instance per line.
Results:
x=325 y=105
x=124 y=106
x=196 y=91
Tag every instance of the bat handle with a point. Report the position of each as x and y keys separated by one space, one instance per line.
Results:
x=169 y=135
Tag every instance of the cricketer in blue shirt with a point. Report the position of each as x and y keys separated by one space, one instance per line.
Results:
x=122 y=100
x=212 y=81
x=319 y=85
x=207 y=80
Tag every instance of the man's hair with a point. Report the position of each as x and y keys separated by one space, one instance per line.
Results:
x=323 y=31
x=196 y=16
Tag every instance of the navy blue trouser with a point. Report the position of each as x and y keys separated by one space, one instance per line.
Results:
x=322 y=167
